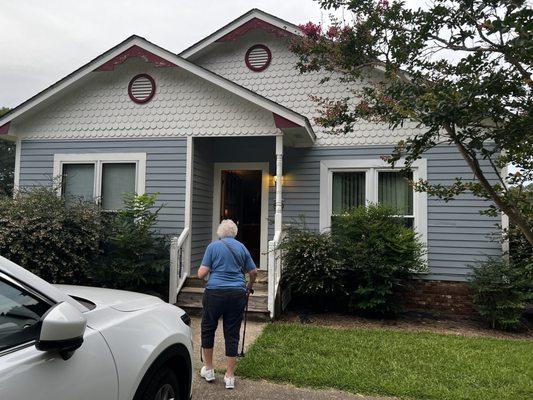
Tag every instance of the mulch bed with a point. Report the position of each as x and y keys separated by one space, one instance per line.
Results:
x=410 y=321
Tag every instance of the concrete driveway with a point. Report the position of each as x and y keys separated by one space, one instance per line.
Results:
x=249 y=389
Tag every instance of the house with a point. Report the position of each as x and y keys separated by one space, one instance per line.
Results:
x=226 y=129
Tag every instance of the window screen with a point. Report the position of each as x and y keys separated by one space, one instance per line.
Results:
x=348 y=191
x=117 y=179
x=78 y=181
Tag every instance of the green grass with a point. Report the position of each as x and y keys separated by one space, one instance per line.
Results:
x=409 y=365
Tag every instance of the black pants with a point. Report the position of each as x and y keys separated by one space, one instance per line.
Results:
x=228 y=304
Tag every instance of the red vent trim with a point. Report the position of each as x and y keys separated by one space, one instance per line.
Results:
x=258 y=57
x=4 y=129
x=254 y=23
x=135 y=51
x=141 y=88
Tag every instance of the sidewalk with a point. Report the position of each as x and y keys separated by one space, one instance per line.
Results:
x=249 y=389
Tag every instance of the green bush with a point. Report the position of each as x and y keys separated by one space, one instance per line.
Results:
x=133 y=257
x=379 y=253
x=56 y=242
x=359 y=267
x=501 y=292
x=311 y=266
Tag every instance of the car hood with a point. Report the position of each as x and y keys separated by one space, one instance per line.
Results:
x=119 y=300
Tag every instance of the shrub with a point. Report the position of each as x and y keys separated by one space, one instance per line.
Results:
x=133 y=257
x=501 y=292
x=311 y=266
x=379 y=252
x=56 y=242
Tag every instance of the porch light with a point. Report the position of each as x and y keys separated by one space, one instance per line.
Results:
x=275 y=179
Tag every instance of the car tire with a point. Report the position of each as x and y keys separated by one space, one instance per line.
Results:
x=163 y=386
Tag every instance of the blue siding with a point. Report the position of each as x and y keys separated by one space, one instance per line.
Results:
x=202 y=204
x=457 y=234
x=165 y=168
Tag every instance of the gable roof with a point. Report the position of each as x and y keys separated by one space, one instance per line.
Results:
x=254 y=18
x=137 y=46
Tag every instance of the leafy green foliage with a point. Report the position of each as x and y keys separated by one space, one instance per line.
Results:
x=7 y=163
x=74 y=241
x=134 y=256
x=379 y=253
x=311 y=266
x=501 y=292
x=391 y=363
x=359 y=267
x=461 y=70
x=56 y=242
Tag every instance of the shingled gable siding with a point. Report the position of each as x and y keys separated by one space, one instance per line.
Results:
x=457 y=234
x=165 y=169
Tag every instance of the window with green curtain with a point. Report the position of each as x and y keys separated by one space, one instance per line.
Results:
x=348 y=191
x=117 y=179
x=395 y=191
x=78 y=182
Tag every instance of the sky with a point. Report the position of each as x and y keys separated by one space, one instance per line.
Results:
x=41 y=41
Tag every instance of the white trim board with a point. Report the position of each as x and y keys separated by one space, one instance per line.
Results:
x=98 y=159
x=246 y=166
x=371 y=167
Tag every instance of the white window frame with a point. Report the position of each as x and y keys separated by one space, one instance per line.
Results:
x=98 y=159
x=371 y=169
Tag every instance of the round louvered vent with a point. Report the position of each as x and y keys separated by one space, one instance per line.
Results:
x=141 y=88
x=258 y=57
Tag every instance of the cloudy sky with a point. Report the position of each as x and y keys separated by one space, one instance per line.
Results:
x=42 y=41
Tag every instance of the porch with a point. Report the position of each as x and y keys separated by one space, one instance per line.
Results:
x=237 y=178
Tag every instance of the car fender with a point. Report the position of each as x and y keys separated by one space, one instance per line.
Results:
x=138 y=338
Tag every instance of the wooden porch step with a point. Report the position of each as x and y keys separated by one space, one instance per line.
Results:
x=190 y=299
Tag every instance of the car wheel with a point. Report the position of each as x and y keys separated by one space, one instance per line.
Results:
x=163 y=386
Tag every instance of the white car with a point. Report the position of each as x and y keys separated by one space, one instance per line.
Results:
x=83 y=343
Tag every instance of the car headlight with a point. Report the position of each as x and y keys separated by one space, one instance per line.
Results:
x=186 y=319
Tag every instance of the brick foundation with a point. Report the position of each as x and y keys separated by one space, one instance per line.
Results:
x=442 y=297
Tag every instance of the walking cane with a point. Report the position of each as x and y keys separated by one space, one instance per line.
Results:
x=245 y=319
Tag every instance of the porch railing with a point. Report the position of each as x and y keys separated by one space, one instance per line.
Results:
x=274 y=272
x=180 y=267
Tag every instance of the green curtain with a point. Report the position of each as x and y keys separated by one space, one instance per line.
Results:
x=348 y=191
x=394 y=190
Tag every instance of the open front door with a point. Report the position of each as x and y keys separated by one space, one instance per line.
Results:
x=241 y=194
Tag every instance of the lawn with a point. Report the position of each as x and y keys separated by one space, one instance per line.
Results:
x=409 y=365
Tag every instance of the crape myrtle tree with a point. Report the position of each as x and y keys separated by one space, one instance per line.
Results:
x=461 y=70
x=7 y=163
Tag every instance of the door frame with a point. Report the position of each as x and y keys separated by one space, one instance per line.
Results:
x=217 y=182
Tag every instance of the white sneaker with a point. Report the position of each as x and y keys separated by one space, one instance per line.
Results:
x=207 y=374
x=230 y=382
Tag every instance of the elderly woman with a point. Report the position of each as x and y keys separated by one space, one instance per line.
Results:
x=226 y=262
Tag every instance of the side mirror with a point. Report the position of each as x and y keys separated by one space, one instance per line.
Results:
x=62 y=329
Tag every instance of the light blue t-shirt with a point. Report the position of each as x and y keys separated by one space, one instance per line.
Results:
x=225 y=273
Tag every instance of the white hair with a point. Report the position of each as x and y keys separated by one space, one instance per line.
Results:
x=227 y=228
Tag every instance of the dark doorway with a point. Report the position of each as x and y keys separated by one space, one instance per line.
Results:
x=241 y=202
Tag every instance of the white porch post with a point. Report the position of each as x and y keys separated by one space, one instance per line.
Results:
x=279 y=184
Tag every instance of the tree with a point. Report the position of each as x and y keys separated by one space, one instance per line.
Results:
x=460 y=69
x=7 y=163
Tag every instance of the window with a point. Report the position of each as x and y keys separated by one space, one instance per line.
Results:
x=105 y=177
x=20 y=315
x=345 y=184
x=395 y=191
x=348 y=191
